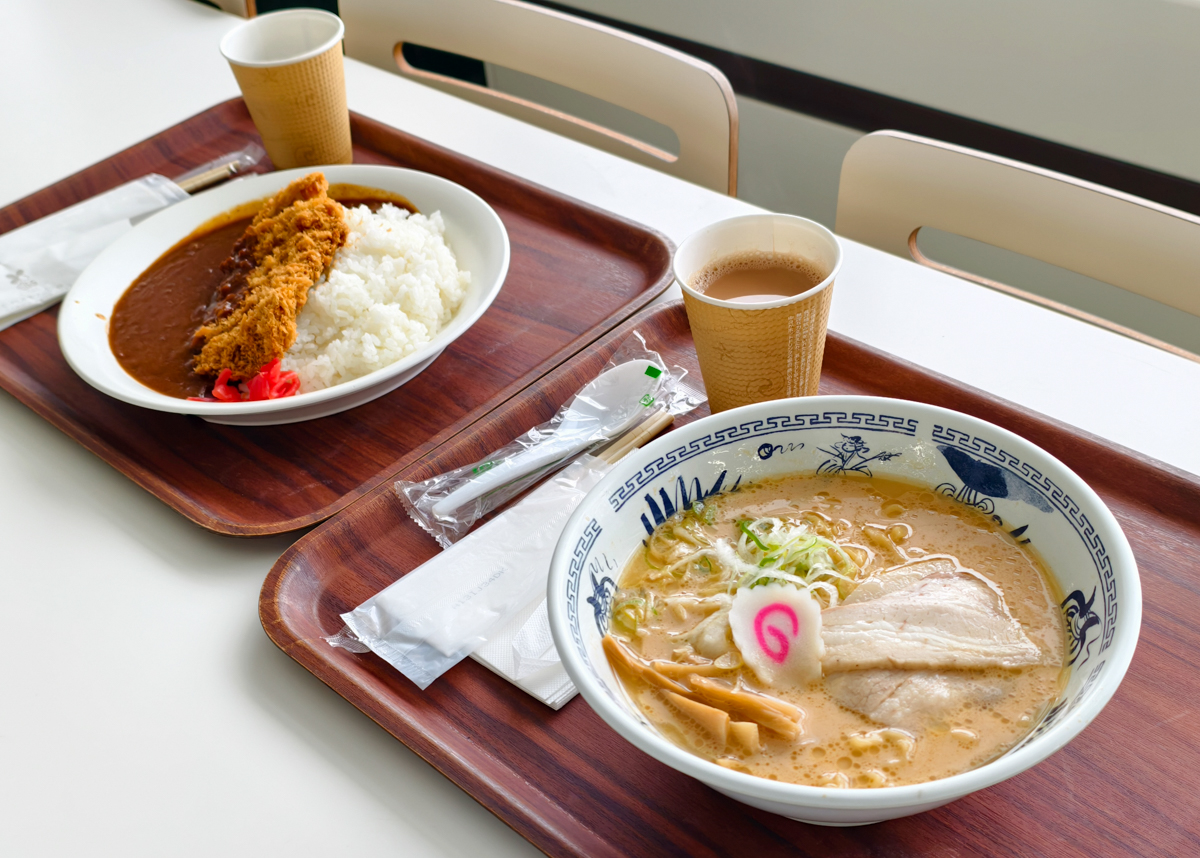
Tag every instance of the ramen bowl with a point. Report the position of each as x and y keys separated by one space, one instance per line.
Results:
x=1031 y=494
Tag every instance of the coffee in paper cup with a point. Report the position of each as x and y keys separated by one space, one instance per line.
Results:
x=289 y=67
x=758 y=337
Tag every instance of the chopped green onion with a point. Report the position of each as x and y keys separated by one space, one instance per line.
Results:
x=744 y=526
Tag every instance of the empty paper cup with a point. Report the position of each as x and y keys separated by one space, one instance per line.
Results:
x=289 y=67
x=758 y=341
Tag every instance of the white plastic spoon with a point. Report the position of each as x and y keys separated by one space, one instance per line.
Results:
x=606 y=407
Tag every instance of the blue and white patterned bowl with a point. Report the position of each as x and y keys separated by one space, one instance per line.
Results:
x=1036 y=497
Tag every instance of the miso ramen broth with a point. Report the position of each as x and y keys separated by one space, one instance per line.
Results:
x=839 y=632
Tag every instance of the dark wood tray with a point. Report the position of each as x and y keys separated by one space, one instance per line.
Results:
x=576 y=271
x=1130 y=785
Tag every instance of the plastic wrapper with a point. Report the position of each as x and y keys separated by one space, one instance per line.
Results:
x=440 y=612
x=39 y=262
x=230 y=164
x=596 y=414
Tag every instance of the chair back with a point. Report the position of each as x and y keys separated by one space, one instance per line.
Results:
x=893 y=184
x=688 y=95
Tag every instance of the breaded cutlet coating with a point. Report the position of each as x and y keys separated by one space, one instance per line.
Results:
x=285 y=250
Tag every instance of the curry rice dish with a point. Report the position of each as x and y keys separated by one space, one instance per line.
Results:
x=229 y=313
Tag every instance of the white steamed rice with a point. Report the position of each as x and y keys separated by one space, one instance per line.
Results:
x=391 y=288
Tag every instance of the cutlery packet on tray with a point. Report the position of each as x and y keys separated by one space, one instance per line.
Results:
x=485 y=595
x=591 y=417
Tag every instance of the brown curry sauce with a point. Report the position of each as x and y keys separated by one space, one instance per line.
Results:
x=154 y=322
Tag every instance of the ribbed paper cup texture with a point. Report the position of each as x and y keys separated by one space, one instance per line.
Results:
x=754 y=352
x=300 y=110
x=289 y=67
x=755 y=355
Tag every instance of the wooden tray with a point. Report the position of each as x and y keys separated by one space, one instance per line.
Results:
x=576 y=271
x=565 y=781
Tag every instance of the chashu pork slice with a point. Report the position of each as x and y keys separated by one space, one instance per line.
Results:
x=913 y=699
x=927 y=615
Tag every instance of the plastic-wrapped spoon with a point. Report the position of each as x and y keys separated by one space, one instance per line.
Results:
x=605 y=408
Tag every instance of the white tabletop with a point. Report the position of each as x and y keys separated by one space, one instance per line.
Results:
x=145 y=712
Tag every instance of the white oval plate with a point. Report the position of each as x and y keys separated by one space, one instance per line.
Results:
x=473 y=231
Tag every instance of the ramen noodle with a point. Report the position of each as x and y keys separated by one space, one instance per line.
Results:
x=838 y=632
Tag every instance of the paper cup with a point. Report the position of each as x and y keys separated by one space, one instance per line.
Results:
x=753 y=352
x=289 y=67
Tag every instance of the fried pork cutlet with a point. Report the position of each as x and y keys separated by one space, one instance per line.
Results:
x=251 y=319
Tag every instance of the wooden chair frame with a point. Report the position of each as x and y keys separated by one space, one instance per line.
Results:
x=893 y=184
x=688 y=95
